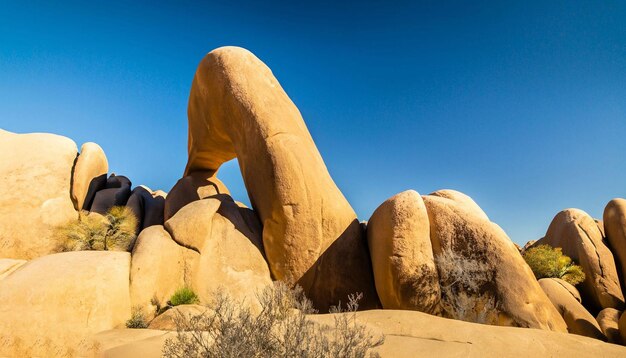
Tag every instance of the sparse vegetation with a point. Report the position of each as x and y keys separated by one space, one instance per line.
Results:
x=183 y=296
x=114 y=231
x=281 y=329
x=137 y=319
x=547 y=261
x=465 y=282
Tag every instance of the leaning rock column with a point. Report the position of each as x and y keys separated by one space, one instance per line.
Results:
x=311 y=235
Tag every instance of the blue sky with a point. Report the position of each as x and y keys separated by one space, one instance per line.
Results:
x=520 y=105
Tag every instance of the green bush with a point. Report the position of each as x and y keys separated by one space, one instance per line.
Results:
x=137 y=319
x=183 y=296
x=282 y=329
x=114 y=231
x=549 y=262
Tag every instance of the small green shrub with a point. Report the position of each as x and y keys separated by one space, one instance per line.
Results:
x=137 y=319
x=183 y=296
x=282 y=329
x=114 y=231
x=549 y=262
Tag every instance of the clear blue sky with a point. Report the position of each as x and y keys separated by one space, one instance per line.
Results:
x=521 y=106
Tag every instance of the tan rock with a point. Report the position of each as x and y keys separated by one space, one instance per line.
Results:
x=9 y=265
x=231 y=256
x=311 y=235
x=35 y=177
x=578 y=319
x=398 y=234
x=167 y=320
x=159 y=267
x=615 y=225
x=608 y=320
x=468 y=203
x=569 y=287
x=407 y=334
x=483 y=276
x=578 y=235
x=195 y=186
x=52 y=304
x=89 y=176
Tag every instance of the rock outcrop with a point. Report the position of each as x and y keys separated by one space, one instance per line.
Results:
x=195 y=186
x=36 y=174
x=230 y=249
x=398 y=234
x=52 y=304
x=615 y=225
x=147 y=205
x=311 y=234
x=608 y=320
x=89 y=175
x=477 y=264
x=578 y=235
x=578 y=319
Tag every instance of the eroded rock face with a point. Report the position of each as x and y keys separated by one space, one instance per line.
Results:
x=578 y=319
x=615 y=225
x=195 y=186
x=35 y=178
x=90 y=175
x=147 y=205
x=311 y=235
x=52 y=304
x=116 y=193
x=578 y=235
x=159 y=267
x=230 y=250
x=483 y=276
x=608 y=320
x=398 y=234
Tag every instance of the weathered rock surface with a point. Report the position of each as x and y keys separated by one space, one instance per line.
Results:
x=569 y=287
x=9 y=265
x=578 y=319
x=147 y=205
x=231 y=252
x=407 y=334
x=615 y=225
x=35 y=178
x=398 y=234
x=116 y=193
x=167 y=320
x=311 y=234
x=195 y=186
x=483 y=276
x=578 y=235
x=89 y=176
x=462 y=199
x=608 y=320
x=159 y=267
x=52 y=304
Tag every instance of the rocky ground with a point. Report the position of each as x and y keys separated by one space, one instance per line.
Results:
x=437 y=276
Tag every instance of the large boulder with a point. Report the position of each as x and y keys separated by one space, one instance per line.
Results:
x=483 y=276
x=580 y=238
x=35 y=183
x=615 y=225
x=398 y=234
x=311 y=234
x=116 y=193
x=195 y=186
x=159 y=267
x=608 y=320
x=230 y=251
x=147 y=205
x=461 y=199
x=52 y=304
x=89 y=176
x=578 y=319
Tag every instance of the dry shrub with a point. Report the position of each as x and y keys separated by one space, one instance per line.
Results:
x=466 y=284
x=113 y=231
x=281 y=329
